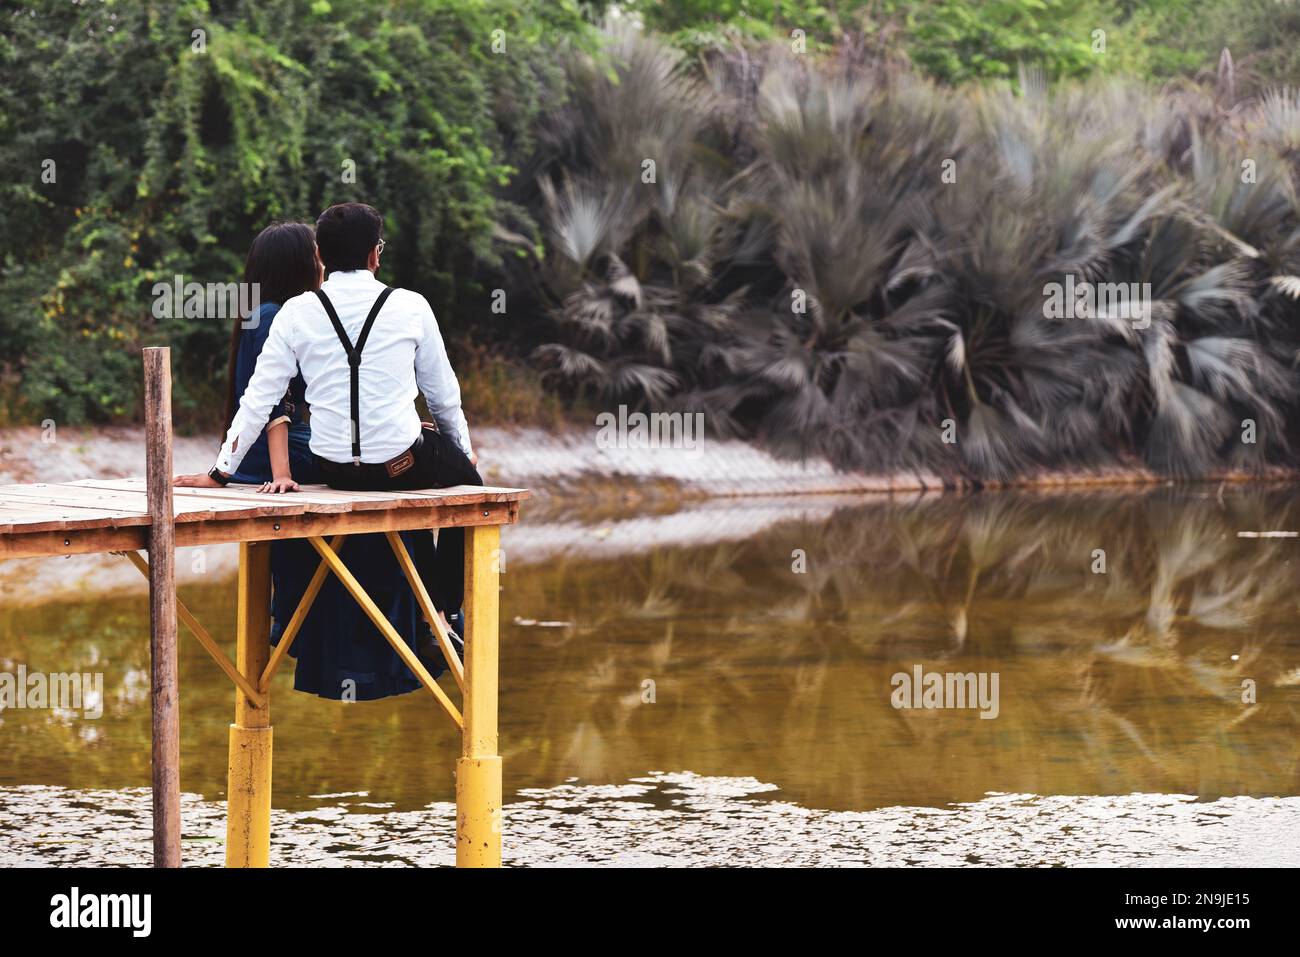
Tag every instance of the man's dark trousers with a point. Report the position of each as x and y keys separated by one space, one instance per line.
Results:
x=439 y=462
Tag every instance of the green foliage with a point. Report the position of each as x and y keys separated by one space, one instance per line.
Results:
x=956 y=40
x=959 y=40
x=172 y=151
x=798 y=265
x=1166 y=38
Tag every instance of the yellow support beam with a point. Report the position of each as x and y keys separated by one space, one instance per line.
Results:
x=478 y=772
x=386 y=628
x=248 y=788
x=206 y=640
x=426 y=605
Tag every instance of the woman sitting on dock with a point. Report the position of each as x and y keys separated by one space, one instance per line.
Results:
x=341 y=655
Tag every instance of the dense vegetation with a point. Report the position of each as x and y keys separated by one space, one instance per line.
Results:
x=831 y=249
x=957 y=40
x=169 y=157
x=803 y=272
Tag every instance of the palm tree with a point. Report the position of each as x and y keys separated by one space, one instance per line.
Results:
x=845 y=260
x=632 y=229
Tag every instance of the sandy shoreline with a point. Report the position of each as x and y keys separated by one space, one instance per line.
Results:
x=589 y=500
x=564 y=463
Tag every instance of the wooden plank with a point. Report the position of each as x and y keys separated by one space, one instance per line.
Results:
x=453 y=494
x=364 y=500
x=64 y=492
x=234 y=496
x=25 y=496
x=320 y=498
x=29 y=534
x=185 y=507
x=23 y=509
x=290 y=500
x=85 y=541
x=29 y=496
x=164 y=672
x=39 y=544
x=27 y=518
x=201 y=505
x=60 y=497
x=347 y=523
x=457 y=494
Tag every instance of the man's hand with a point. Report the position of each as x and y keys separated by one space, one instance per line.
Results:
x=202 y=480
x=473 y=459
x=283 y=483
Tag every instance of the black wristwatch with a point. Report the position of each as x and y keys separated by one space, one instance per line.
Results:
x=218 y=476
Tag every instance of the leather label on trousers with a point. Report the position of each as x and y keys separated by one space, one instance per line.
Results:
x=400 y=464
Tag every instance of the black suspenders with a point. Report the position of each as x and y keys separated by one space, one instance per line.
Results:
x=354 y=359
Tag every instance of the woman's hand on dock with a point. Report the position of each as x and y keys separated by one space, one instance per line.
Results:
x=200 y=480
x=284 y=484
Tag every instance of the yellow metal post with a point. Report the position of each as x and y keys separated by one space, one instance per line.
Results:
x=248 y=789
x=478 y=772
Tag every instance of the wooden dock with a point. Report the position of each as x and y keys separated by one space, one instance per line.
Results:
x=111 y=515
x=133 y=515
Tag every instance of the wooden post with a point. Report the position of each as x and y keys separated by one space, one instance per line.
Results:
x=478 y=772
x=248 y=782
x=162 y=610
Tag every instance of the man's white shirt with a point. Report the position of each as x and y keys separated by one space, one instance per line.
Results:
x=403 y=355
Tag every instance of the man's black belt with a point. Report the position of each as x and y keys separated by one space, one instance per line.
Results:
x=376 y=470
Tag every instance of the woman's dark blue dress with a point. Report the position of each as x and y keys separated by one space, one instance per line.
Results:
x=341 y=655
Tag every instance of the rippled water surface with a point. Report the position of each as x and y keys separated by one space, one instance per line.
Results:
x=675 y=690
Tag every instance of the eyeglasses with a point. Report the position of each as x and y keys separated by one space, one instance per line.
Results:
x=380 y=247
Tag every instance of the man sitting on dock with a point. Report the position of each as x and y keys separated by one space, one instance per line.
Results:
x=365 y=350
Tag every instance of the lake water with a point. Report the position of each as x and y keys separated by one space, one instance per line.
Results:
x=716 y=685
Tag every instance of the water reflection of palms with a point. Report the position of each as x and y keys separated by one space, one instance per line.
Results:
x=1110 y=682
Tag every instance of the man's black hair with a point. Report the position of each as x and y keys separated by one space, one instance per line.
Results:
x=346 y=233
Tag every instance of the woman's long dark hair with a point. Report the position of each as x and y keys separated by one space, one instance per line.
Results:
x=282 y=261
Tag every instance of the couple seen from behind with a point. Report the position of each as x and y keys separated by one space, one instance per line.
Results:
x=331 y=337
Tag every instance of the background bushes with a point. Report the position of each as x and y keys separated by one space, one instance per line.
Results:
x=169 y=160
x=796 y=265
x=801 y=269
